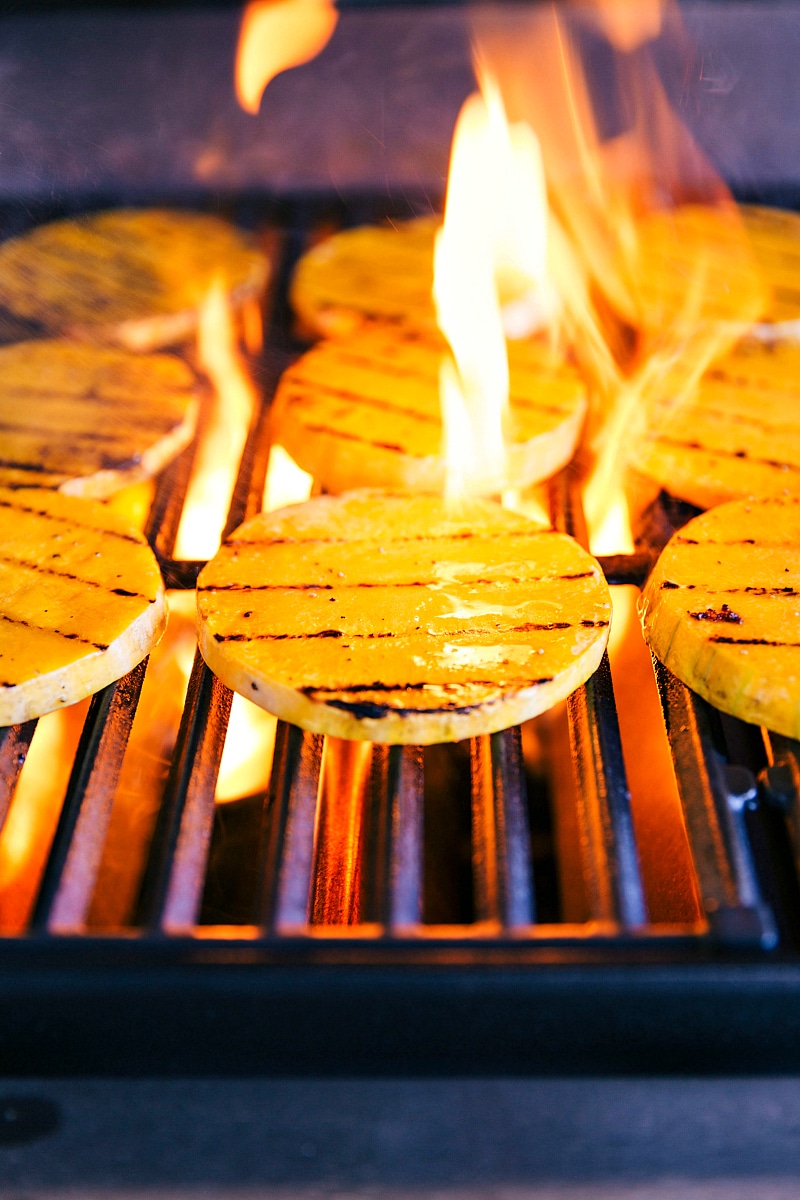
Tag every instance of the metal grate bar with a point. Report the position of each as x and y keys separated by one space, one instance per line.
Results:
x=503 y=876
x=391 y=878
x=172 y=887
x=781 y=782
x=165 y=513
x=69 y=877
x=729 y=891
x=610 y=858
x=15 y=741
x=287 y=843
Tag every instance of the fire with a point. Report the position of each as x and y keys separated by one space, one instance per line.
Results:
x=490 y=261
x=223 y=437
x=276 y=35
x=646 y=301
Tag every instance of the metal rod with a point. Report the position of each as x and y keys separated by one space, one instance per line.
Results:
x=15 y=741
x=172 y=887
x=610 y=858
x=727 y=882
x=288 y=834
x=391 y=876
x=502 y=869
x=780 y=781
x=74 y=860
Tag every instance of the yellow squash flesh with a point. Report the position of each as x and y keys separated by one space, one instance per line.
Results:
x=738 y=435
x=372 y=273
x=81 y=601
x=722 y=610
x=89 y=420
x=364 y=411
x=131 y=277
x=395 y=618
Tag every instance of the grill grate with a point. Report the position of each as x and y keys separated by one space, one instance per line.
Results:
x=341 y=869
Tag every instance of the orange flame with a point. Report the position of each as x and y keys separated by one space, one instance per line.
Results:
x=647 y=301
x=490 y=252
x=222 y=440
x=276 y=35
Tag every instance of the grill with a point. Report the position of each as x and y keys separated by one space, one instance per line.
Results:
x=422 y=913
x=355 y=897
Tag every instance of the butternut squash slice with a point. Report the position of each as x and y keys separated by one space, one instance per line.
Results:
x=738 y=435
x=396 y=618
x=89 y=420
x=364 y=411
x=721 y=610
x=130 y=277
x=81 y=601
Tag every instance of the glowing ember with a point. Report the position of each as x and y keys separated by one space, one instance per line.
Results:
x=223 y=437
x=276 y=35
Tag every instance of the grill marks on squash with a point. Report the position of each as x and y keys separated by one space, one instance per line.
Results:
x=90 y=419
x=752 y=667
x=424 y=625
x=136 y=277
x=739 y=434
x=366 y=410
x=81 y=601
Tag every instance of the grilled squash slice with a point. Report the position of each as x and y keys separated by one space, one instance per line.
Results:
x=372 y=273
x=81 y=601
x=738 y=435
x=134 y=278
x=364 y=411
x=397 y=618
x=699 y=263
x=89 y=420
x=722 y=610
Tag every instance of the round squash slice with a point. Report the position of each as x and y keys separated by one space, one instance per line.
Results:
x=722 y=610
x=81 y=601
x=397 y=618
x=371 y=273
x=131 y=277
x=364 y=411
x=89 y=420
x=738 y=435
x=699 y=263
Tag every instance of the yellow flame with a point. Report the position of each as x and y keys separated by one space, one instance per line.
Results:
x=491 y=250
x=646 y=302
x=276 y=35
x=222 y=440
x=286 y=483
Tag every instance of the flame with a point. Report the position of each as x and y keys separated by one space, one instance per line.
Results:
x=223 y=437
x=276 y=35
x=647 y=301
x=286 y=483
x=490 y=255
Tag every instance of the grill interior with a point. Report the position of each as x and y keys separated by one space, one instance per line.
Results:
x=527 y=901
x=525 y=839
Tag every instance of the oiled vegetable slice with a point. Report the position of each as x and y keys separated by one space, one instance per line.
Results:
x=738 y=435
x=87 y=419
x=81 y=601
x=722 y=610
x=700 y=264
x=396 y=618
x=364 y=411
x=133 y=277
x=372 y=273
